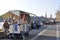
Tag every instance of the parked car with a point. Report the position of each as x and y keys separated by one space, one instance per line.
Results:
x=1 y=25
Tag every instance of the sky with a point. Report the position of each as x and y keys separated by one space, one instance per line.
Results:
x=38 y=7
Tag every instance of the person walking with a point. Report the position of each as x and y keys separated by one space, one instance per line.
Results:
x=26 y=28
x=16 y=29
x=22 y=29
x=6 y=27
x=35 y=25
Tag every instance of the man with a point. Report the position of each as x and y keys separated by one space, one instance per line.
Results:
x=6 y=27
x=26 y=28
x=22 y=29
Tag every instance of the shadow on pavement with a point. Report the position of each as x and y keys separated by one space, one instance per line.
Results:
x=42 y=37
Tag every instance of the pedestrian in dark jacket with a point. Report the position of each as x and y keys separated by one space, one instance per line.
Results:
x=32 y=27
x=35 y=25
x=6 y=27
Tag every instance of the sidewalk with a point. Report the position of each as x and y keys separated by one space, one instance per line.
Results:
x=36 y=31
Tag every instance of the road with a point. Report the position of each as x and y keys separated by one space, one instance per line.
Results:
x=50 y=33
x=47 y=32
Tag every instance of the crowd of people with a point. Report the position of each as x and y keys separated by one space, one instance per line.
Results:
x=19 y=27
x=35 y=25
x=22 y=29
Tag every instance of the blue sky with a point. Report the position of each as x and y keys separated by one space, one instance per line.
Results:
x=38 y=7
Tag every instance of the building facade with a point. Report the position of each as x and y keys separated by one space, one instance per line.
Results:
x=15 y=15
x=58 y=16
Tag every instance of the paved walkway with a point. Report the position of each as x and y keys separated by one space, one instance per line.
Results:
x=34 y=32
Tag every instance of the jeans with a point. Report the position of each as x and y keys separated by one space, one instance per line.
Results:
x=23 y=36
